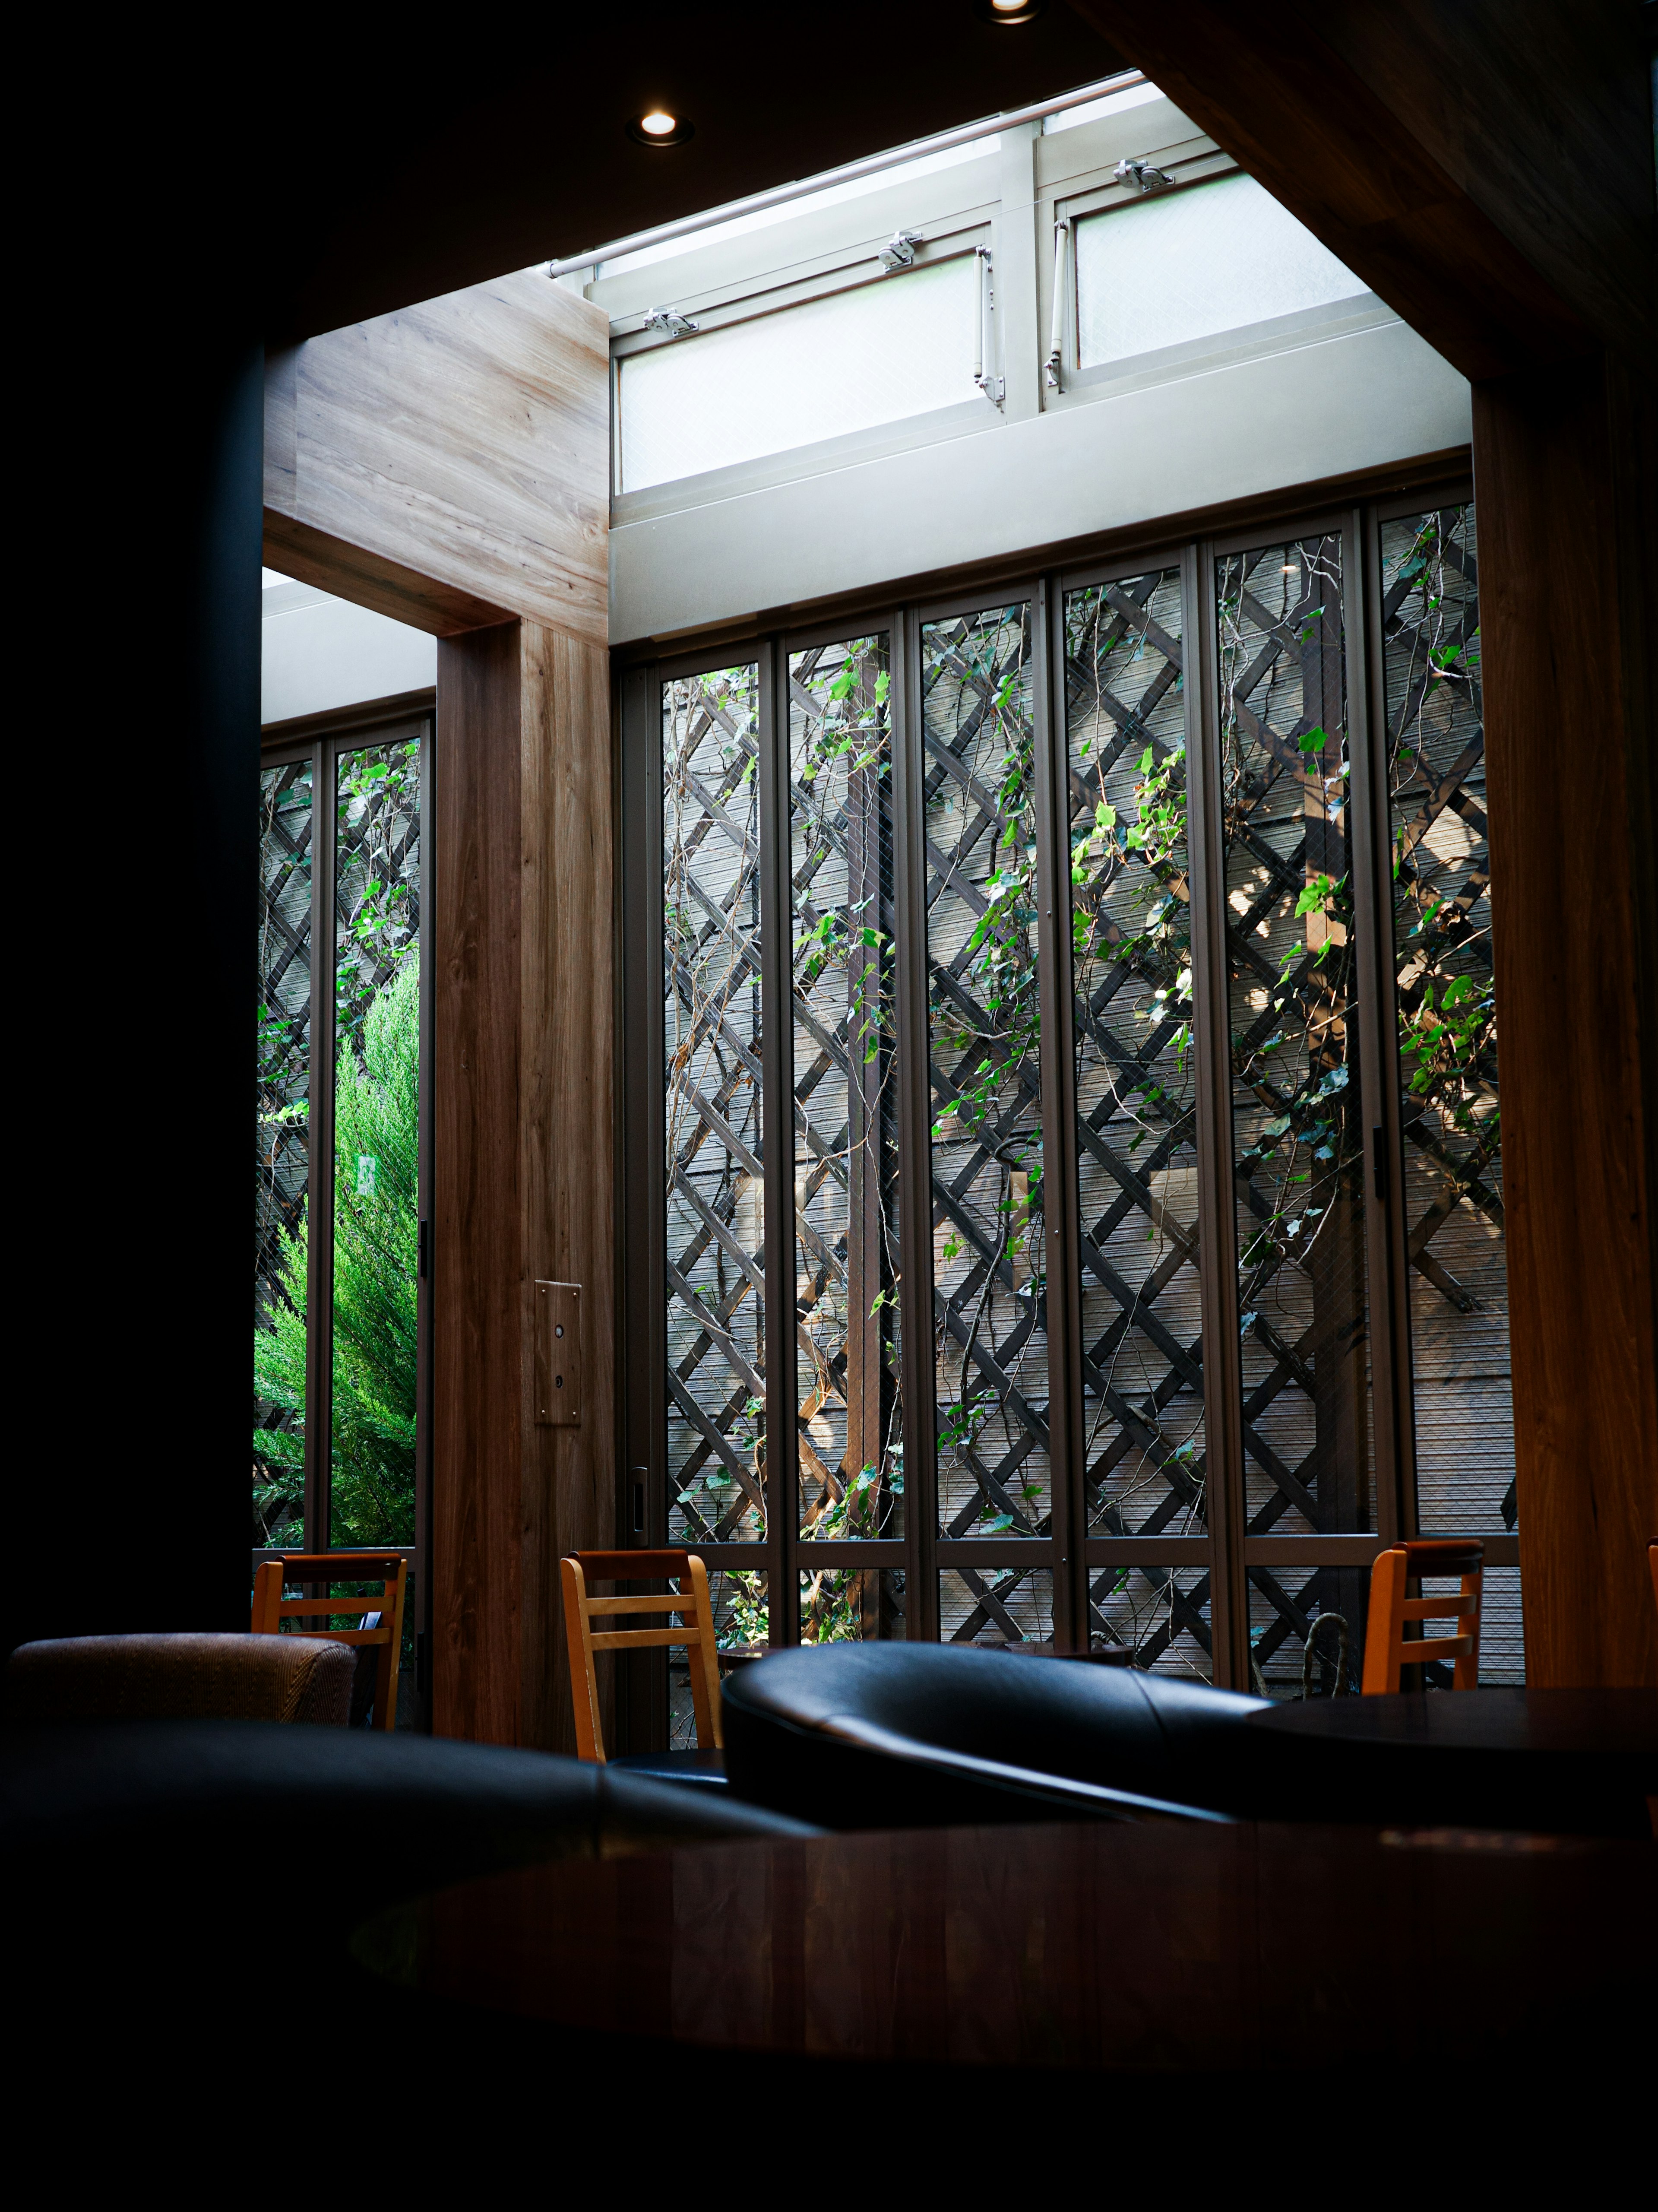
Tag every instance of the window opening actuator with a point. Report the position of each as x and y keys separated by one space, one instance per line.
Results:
x=899 y=252
x=1137 y=171
x=993 y=388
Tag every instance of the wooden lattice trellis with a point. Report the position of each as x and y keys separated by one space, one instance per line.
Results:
x=1134 y=1077
x=984 y=1020
x=1297 y=1134
x=850 y=1434
x=1446 y=1001
x=716 y=1211
x=375 y=894
x=283 y=1087
x=785 y=794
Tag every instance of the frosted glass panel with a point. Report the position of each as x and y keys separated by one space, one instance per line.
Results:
x=882 y=351
x=1183 y=264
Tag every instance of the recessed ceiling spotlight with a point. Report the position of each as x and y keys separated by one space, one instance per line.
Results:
x=656 y=127
x=1008 y=11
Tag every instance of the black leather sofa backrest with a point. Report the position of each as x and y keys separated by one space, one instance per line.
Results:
x=887 y=1734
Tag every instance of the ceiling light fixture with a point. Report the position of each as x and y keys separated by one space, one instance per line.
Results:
x=656 y=127
x=1008 y=11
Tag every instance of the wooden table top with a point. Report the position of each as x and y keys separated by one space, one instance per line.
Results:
x=1592 y=1723
x=1151 y=1948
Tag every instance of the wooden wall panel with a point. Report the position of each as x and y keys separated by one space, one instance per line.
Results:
x=449 y=465
x=1568 y=741
x=522 y=1112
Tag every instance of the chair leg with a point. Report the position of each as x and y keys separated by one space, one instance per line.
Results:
x=704 y=1663
x=584 y=1678
x=1466 y=1676
x=1382 y=1626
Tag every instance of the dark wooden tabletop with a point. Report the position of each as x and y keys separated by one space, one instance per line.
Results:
x=1599 y=1723
x=1160 y=1948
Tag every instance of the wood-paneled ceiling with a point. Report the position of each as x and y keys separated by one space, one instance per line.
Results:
x=401 y=169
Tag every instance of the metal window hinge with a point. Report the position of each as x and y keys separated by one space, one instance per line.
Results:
x=994 y=388
x=670 y=325
x=1139 y=172
x=899 y=252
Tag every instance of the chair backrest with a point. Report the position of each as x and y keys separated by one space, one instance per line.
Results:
x=379 y=1616
x=692 y=1603
x=185 y=1676
x=1386 y=1651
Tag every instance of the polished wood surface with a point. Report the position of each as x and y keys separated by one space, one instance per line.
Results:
x=449 y=465
x=1576 y=1723
x=1124 y=1948
x=523 y=1045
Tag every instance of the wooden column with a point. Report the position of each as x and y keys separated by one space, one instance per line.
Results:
x=522 y=1111
x=1564 y=477
x=449 y=466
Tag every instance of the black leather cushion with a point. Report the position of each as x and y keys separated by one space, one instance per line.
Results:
x=704 y=1769
x=916 y=1736
x=163 y=1857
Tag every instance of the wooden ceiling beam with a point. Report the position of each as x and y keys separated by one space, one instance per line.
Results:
x=449 y=466
x=1485 y=167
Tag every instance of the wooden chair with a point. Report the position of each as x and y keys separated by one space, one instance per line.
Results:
x=1386 y=1650
x=697 y=1634
x=380 y=1617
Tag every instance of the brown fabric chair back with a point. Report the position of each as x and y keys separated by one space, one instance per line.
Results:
x=182 y=1677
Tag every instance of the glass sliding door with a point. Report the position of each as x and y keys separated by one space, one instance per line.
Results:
x=1110 y=941
x=979 y=777
x=1134 y=1070
x=843 y=1032
x=377 y=1071
x=283 y=1173
x=1446 y=1009
x=341 y=1321
x=1297 y=1128
x=715 y=1132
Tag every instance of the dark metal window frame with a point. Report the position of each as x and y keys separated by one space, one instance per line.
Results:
x=1226 y=1550
x=322 y=740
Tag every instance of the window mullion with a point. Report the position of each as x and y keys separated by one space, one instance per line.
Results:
x=914 y=1145
x=1371 y=846
x=777 y=1125
x=1066 y=1427
x=1222 y=1397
